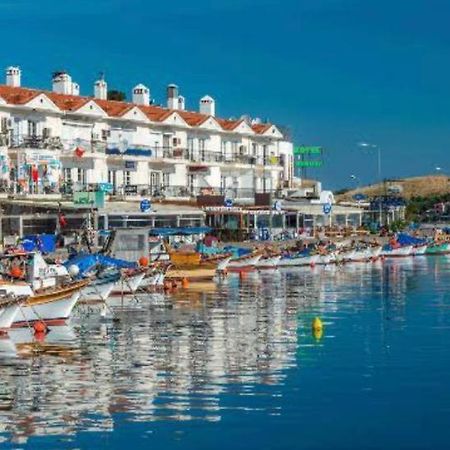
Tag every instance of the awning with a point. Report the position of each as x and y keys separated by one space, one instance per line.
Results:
x=183 y=231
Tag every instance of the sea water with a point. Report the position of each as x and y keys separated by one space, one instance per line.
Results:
x=235 y=364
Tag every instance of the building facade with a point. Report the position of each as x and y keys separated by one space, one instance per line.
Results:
x=54 y=141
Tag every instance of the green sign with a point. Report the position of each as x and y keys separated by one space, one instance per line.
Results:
x=96 y=199
x=303 y=150
x=308 y=163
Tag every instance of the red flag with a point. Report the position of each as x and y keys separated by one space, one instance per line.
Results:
x=79 y=152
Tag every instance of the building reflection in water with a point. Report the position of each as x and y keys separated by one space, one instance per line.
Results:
x=175 y=357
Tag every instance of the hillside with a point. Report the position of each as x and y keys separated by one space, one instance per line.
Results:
x=407 y=187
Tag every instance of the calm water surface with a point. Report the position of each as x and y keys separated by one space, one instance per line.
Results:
x=235 y=365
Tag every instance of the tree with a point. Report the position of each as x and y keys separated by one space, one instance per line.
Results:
x=116 y=95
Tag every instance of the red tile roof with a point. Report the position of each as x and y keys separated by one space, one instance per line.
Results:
x=21 y=96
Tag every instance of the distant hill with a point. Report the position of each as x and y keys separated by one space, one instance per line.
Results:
x=406 y=187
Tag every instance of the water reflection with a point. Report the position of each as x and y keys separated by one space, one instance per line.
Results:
x=176 y=357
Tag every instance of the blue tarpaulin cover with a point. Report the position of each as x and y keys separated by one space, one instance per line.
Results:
x=87 y=262
x=45 y=243
x=406 y=239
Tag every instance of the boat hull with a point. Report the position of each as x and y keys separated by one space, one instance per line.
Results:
x=53 y=313
x=299 y=261
x=129 y=284
x=400 y=252
x=268 y=263
x=243 y=264
x=439 y=249
x=8 y=315
x=98 y=291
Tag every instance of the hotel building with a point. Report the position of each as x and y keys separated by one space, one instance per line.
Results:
x=58 y=141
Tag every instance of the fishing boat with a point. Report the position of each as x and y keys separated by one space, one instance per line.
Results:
x=438 y=248
x=375 y=252
x=129 y=283
x=397 y=252
x=270 y=262
x=361 y=255
x=419 y=250
x=52 y=305
x=9 y=308
x=191 y=266
x=298 y=260
x=101 y=287
x=244 y=263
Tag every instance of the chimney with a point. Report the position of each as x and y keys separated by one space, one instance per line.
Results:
x=13 y=75
x=207 y=106
x=101 y=89
x=172 y=96
x=62 y=83
x=75 y=89
x=181 y=103
x=141 y=95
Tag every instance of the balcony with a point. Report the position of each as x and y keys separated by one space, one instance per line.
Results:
x=34 y=142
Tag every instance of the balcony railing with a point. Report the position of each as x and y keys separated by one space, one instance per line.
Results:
x=34 y=141
x=110 y=148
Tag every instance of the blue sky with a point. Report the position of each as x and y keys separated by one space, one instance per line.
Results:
x=336 y=71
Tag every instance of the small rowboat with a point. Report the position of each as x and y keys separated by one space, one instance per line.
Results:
x=297 y=261
x=406 y=250
x=268 y=263
x=53 y=306
x=438 y=249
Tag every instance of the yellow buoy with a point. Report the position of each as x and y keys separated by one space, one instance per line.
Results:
x=317 y=324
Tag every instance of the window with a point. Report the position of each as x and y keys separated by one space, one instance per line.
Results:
x=166 y=178
x=254 y=149
x=32 y=128
x=81 y=176
x=4 y=125
x=127 y=178
x=67 y=175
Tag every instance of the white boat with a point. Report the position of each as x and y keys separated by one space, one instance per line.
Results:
x=268 y=263
x=405 y=250
x=419 y=250
x=247 y=262
x=329 y=258
x=375 y=252
x=52 y=306
x=223 y=264
x=9 y=308
x=99 y=290
x=297 y=261
x=129 y=283
x=153 y=280
x=362 y=255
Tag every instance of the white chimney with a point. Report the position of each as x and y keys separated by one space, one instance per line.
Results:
x=172 y=96
x=207 y=106
x=13 y=75
x=181 y=103
x=101 y=89
x=141 y=95
x=62 y=83
x=75 y=89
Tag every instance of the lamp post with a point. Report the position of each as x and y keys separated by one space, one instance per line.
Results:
x=372 y=147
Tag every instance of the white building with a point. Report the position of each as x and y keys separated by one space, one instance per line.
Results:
x=49 y=139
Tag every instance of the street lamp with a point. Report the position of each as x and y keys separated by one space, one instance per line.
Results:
x=372 y=147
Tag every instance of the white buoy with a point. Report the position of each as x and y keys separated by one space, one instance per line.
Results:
x=74 y=270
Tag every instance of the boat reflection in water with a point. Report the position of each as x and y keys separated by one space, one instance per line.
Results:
x=175 y=356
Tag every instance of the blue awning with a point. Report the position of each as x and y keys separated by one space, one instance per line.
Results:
x=184 y=231
x=129 y=151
